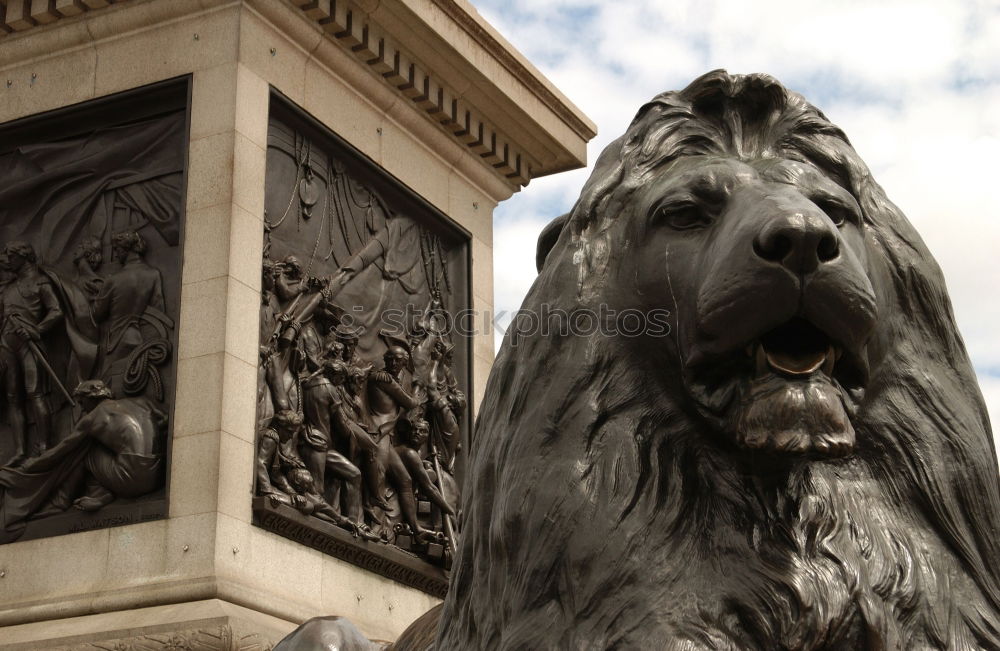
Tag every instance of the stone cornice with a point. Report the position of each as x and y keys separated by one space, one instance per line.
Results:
x=395 y=39
x=466 y=16
x=22 y=15
x=448 y=63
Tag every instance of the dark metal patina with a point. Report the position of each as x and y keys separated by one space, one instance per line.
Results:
x=803 y=461
x=363 y=378
x=91 y=216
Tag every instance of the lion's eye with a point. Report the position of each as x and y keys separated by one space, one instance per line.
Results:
x=682 y=217
x=838 y=213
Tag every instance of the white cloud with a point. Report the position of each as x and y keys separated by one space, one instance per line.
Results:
x=915 y=85
x=990 y=387
x=870 y=44
x=936 y=160
x=514 y=264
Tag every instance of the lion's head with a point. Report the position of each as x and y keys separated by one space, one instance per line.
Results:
x=802 y=460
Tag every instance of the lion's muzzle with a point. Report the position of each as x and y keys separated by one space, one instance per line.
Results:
x=785 y=308
x=792 y=403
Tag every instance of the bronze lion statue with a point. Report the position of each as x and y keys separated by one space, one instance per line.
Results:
x=800 y=460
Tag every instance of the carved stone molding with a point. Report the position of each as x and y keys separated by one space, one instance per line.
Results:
x=21 y=15
x=457 y=13
x=221 y=638
x=352 y=27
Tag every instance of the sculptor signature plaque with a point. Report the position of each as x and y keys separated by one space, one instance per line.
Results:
x=363 y=380
x=91 y=203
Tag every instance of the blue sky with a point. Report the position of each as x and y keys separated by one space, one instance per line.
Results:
x=915 y=85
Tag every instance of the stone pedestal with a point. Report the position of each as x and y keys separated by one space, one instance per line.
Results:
x=423 y=88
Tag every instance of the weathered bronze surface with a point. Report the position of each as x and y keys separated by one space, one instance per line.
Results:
x=803 y=461
x=91 y=205
x=362 y=383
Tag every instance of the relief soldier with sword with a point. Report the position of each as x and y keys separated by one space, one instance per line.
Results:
x=28 y=309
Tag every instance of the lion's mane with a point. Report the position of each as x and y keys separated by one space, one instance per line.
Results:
x=601 y=514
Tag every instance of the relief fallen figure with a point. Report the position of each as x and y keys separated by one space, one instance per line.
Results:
x=115 y=451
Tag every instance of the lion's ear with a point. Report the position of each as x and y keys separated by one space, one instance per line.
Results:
x=548 y=239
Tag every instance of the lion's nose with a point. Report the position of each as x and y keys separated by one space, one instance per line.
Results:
x=799 y=241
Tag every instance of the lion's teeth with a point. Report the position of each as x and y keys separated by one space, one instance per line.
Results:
x=796 y=365
x=760 y=358
x=832 y=355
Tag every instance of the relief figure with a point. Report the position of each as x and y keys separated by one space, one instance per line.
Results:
x=131 y=312
x=28 y=310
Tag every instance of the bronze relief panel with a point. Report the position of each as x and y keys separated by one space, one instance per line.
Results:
x=363 y=375
x=91 y=219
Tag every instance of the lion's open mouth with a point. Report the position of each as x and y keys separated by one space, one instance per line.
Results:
x=793 y=402
x=788 y=391
x=796 y=348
